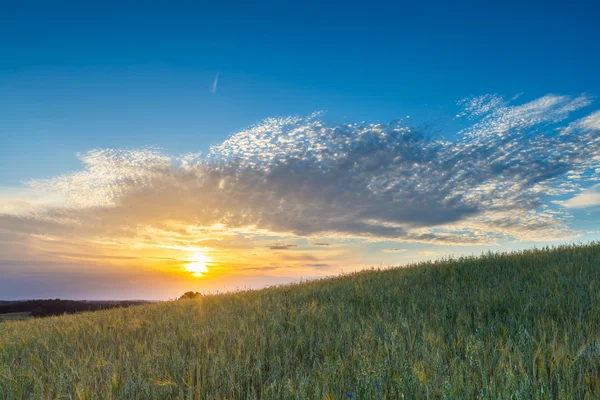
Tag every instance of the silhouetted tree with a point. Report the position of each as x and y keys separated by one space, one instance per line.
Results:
x=190 y=295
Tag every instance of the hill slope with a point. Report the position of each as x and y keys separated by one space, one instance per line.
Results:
x=525 y=325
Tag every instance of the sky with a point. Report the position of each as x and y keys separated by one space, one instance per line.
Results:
x=149 y=149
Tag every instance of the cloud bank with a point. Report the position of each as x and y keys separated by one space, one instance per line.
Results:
x=300 y=177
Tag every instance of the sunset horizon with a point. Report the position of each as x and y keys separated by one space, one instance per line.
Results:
x=147 y=152
x=144 y=224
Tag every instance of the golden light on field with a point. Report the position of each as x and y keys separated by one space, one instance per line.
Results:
x=198 y=264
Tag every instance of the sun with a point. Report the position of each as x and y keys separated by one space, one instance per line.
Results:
x=197 y=264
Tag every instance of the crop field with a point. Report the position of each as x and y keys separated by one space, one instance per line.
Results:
x=17 y=316
x=523 y=325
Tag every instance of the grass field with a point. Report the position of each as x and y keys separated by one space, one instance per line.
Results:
x=524 y=326
x=16 y=316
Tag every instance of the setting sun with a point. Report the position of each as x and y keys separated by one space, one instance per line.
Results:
x=197 y=264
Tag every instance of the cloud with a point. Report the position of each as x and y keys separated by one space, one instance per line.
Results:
x=480 y=105
x=300 y=257
x=393 y=250
x=591 y=122
x=428 y=253
x=18 y=201
x=263 y=268
x=301 y=177
x=318 y=265
x=282 y=247
x=588 y=198
x=213 y=88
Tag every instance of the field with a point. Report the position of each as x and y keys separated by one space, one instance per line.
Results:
x=17 y=316
x=523 y=326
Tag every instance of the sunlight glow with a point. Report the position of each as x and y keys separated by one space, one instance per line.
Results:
x=198 y=263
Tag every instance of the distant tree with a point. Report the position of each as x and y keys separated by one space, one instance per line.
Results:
x=39 y=312
x=190 y=295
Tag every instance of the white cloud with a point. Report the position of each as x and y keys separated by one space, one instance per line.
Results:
x=393 y=250
x=588 y=198
x=500 y=119
x=23 y=201
x=592 y=121
x=480 y=105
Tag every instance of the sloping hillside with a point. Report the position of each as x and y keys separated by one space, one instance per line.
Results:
x=525 y=325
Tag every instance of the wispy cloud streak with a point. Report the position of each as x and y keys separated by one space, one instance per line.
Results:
x=213 y=88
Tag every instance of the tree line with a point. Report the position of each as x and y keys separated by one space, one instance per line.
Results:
x=48 y=307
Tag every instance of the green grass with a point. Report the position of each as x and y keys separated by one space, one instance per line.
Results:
x=524 y=326
x=17 y=316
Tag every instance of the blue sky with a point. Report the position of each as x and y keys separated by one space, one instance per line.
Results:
x=75 y=77
x=85 y=90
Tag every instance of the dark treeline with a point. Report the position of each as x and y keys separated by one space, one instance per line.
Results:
x=44 y=308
